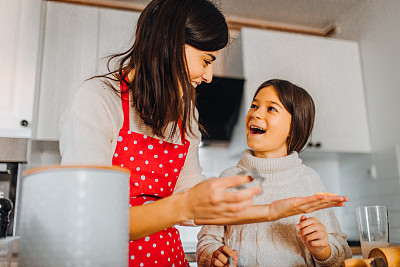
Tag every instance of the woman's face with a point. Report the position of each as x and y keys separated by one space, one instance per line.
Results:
x=268 y=125
x=199 y=64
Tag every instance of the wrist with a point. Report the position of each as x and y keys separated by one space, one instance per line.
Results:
x=184 y=209
x=324 y=254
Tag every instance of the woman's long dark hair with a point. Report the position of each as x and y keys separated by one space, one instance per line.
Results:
x=159 y=62
x=300 y=105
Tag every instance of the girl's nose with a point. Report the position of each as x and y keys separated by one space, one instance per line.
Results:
x=207 y=76
x=256 y=114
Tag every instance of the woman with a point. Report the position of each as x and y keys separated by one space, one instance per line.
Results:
x=142 y=116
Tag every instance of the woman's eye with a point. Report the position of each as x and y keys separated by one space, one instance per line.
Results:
x=207 y=62
x=272 y=109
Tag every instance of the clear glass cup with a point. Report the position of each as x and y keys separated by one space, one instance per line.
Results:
x=373 y=228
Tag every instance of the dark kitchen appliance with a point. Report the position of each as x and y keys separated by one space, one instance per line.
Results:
x=218 y=104
x=13 y=161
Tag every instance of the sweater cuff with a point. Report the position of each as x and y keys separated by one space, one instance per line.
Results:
x=329 y=261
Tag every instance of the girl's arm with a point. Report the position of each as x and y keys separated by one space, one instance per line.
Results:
x=210 y=237
x=279 y=209
x=208 y=200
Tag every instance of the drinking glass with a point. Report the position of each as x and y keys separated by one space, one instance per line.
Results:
x=373 y=228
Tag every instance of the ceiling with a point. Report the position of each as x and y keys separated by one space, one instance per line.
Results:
x=312 y=14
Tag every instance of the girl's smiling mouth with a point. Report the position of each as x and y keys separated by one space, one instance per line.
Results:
x=256 y=130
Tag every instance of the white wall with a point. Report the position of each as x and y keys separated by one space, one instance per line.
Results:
x=375 y=25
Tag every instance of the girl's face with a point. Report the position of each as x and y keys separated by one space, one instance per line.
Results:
x=268 y=125
x=199 y=64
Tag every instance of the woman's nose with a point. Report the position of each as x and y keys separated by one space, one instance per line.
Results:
x=208 y=75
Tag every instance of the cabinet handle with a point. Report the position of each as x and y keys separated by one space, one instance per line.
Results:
x=24 y=123
x=318 y=144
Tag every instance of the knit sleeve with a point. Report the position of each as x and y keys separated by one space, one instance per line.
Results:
x=340 y=249
x=88 y=125
x=210 y=237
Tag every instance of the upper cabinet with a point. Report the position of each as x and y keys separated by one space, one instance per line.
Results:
x=69 y=57
x=77 y=41
x=329 y=69
x=20 y=37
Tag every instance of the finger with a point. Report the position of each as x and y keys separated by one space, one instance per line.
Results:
x=229 y=252
x=304 y=223
x=318 y=243
x=303 y=217
x=222 y=258
x=217 y=263
x=312 y=236
x=241 y=195
x=232 y=181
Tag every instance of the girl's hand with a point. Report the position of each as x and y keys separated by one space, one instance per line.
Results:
x=211 y=200
x=220 y=257
x=297 y=205
x=314 y=236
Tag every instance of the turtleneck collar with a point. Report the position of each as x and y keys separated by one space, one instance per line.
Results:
x=272 y=169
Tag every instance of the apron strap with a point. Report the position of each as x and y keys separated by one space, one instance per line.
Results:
x=126 y=107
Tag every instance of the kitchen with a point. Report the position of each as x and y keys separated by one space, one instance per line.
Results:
x=368 y=175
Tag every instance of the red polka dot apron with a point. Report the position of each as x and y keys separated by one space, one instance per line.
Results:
x=155 y=166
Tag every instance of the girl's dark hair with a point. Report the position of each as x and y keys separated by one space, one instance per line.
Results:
x=300 y=105
x=159 y=62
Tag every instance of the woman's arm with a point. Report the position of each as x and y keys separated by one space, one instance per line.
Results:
x=208 y=200
x=279 y=209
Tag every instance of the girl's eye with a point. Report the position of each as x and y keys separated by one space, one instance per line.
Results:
x=272 y=109
x=253 y=106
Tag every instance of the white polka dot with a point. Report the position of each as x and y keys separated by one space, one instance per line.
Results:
x=154 y=245
x=180 y=156
x=167 y=242
x=150 y=187
x=143 y=177
x=126 y=148
x=175 y=170
x=148 y=255
x=140 y=247
x=144 y=197
x=161 y=236
x=129 y=132
x=172 y=250
x=161 y=142
x=140 y=152
x=175 y=146
x=132 y=257
x=169 y=183
x=155 y=156
x=137 y=184
x=166 y=175
x=150 y=147
x=184 y=153
x=119 y=138
x=171 y=160
x=166 y=151
x=162 y=252
x=147 y=162
x=169 y=259
x=116 y=155
x=155 y=262
x=122 y=165
x=132 y=158
x=135 y=142
x=161 y=189
x=144 y=136
x=152 y=171
x=160 y=165
x=147 y=238
x=130 y=205
x=141 y=264
x=138 y=168
x=156 y=180
x=170 y=234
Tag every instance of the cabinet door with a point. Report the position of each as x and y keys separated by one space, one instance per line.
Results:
x=328 y=69
x=69 y=57
x=19 y=42
x=117 y=28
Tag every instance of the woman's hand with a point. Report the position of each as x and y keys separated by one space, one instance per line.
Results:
x=314 y=236
x=220 y=257
x=297 y=205
x=279 y=209
x=211 y=199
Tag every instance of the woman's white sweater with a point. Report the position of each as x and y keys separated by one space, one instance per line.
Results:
x=275 y=243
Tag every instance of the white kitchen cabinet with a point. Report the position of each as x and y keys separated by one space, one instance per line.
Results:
x=117 y=28
x=77 y=41
x=69 y=57
x=19 y=42
x=329 y=69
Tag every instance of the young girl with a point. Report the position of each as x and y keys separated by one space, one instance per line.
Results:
x=278 y=125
